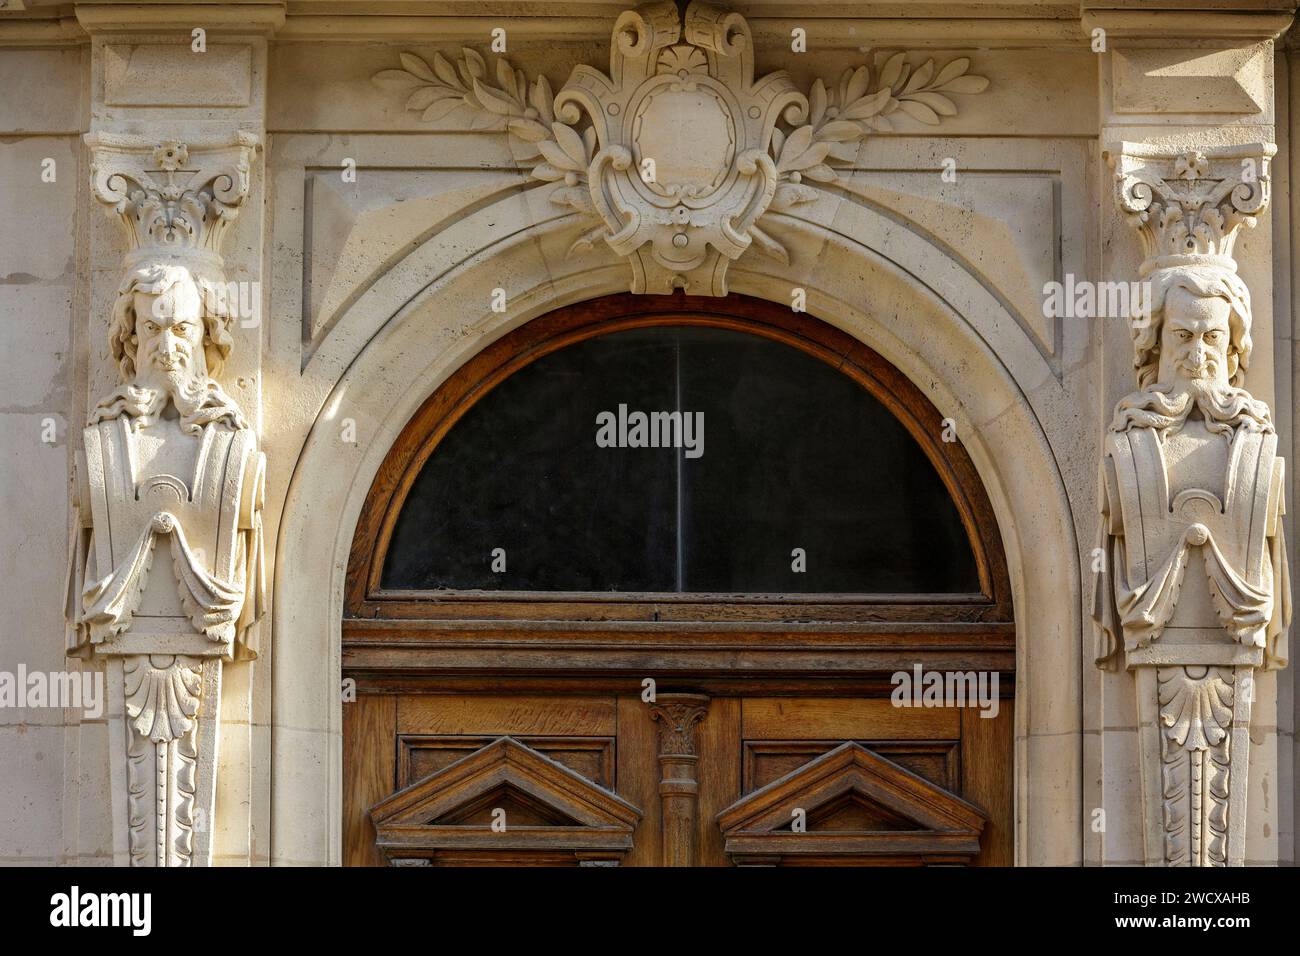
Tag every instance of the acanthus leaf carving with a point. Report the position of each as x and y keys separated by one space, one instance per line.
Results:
x=167 y=205
x=1189 y=210
x=162 y=695
x=677 y=716
x=675 y=155
x=1196 y=713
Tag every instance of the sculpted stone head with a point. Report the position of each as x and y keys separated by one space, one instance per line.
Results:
x=169 y=325
x=170 y=334
x=1191 y=353
x=1197 y=338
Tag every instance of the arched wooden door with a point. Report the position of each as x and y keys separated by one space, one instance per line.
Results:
x=677 y=581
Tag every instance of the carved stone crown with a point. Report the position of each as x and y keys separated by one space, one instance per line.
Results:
x=1189 y=206
x=176 y=201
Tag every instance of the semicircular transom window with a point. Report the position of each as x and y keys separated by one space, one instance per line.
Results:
x=679 y=458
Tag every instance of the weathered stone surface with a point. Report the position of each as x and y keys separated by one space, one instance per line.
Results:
x=373 y=288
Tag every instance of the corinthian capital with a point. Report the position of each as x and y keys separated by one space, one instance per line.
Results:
x=175 y=200
x=1189 y=206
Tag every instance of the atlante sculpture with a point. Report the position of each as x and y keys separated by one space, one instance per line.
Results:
x=1192 y=591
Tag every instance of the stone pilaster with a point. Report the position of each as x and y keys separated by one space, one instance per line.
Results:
x=192 y=76
x=1196 y=88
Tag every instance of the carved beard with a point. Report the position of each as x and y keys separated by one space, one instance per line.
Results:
x=199 y=401
x=1163 y=408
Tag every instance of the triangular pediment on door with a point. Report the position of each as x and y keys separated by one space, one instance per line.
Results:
x=504 y=803
x=851 y=806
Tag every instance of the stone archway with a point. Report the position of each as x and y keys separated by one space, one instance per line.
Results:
x=975 y=366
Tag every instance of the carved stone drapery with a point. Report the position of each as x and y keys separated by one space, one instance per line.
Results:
x=1192 y=589
x=168 y=464
x=677 y=716
x=674 y=157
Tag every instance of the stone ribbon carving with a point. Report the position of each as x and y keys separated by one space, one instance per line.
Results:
x=167 y=580
x=1192 y=593
x=677 y=154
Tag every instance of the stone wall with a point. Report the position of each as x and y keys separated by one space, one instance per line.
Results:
x=376 y=230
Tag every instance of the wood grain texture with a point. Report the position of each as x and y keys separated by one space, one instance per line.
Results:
x=987 y=766
x=419 y=755
x=513 y=715
x=369 y=767
x=638 y=778
x=845 y=718
x=719 y=772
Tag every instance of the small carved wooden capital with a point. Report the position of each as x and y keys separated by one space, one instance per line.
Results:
x=678 y=714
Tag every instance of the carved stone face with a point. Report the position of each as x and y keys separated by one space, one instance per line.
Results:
x=1194 y=342
x=169 y=335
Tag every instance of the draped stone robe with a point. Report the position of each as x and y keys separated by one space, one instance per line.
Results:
x=195 y=497
x=165 y=582
x=1195 y=563
x=1193 y=578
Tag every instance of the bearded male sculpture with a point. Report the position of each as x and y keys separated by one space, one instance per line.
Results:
x=1192 y=588
x=166 y=581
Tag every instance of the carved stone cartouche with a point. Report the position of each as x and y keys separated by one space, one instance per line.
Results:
x=676 y=155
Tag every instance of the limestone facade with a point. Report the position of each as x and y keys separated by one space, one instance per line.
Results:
x=359 y=186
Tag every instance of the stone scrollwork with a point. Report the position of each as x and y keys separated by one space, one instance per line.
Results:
x=678 y=152
x=1192 y=591
x=168 y=459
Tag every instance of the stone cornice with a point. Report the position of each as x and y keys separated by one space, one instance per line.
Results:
x=843 y=33
x=41 y=31
x=1180 y=27
x=237 y=18
x=829 y=25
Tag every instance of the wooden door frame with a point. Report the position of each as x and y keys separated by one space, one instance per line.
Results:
x=400 y=643
x=847 y=641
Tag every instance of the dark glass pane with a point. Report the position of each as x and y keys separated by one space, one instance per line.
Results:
x=521 y=471
x=796 y=455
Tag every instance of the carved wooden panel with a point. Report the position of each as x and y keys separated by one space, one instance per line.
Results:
x=935 y=760
x=422 y=754
x=509 y=801
x=851 y=806
x=621 y=746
